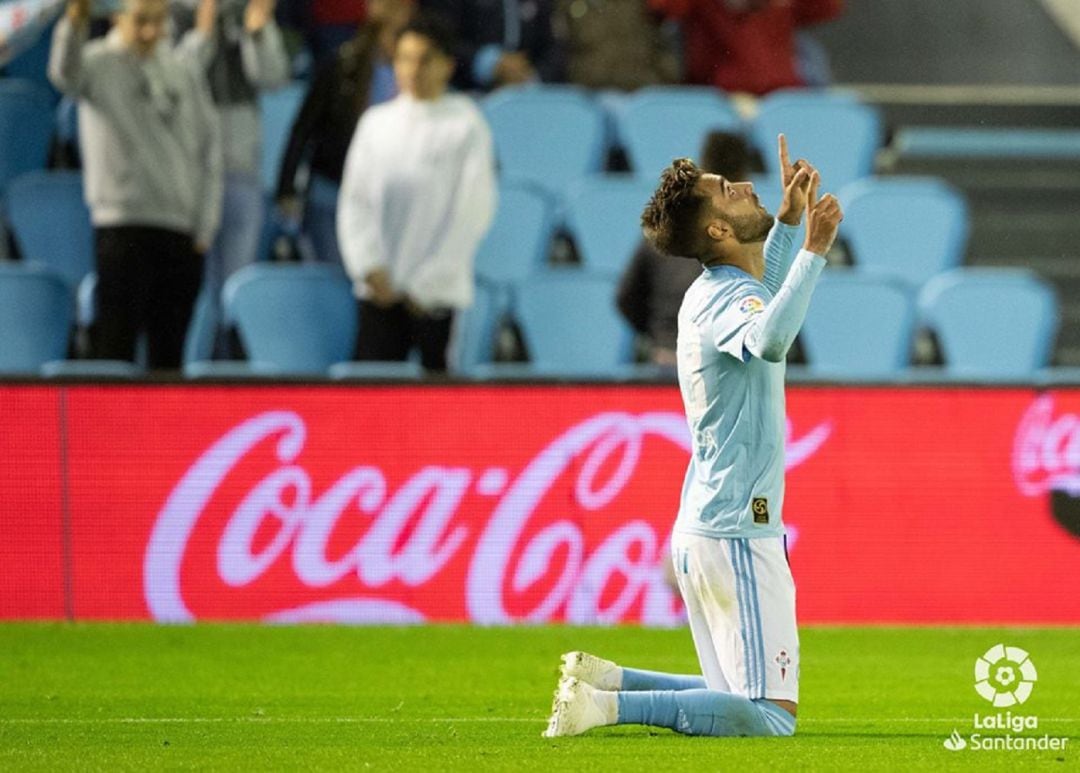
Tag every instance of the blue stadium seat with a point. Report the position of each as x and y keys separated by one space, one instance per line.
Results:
x=839 y=136
x=604 y=218
x=612 y=103
x=35 y=317
x=768 y=190
x=277 y=110
x=51 y=223
x=991 y=323
x=202 y=330
x=231 y=370
x=660 y=123
x=86 y=300
x=377 y=371
x=298 y=318
x=570 y=325
x=859 y=326
x=518 y=242
x=515 y=248
x=910 y=228
x=547 y=135
x=26 y=128
x=67 y=124
x=477 y=327
x=84 y=369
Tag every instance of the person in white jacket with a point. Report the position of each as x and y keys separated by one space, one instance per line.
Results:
x=417 y=196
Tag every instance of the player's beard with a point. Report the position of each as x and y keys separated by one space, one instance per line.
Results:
x=752 y=228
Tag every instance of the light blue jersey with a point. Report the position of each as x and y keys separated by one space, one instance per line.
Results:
x=734 y=402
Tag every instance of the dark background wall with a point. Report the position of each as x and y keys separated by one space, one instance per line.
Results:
x=950 y=41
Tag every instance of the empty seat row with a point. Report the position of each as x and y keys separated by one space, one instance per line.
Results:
x=908 y=229
x=553 y=136
x=550 y=135
x=301 y=319
x=989 y=323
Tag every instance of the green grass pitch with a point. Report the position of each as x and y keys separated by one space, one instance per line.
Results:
x=231 y=697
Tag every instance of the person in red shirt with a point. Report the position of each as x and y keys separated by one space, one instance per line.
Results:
x=744 y=45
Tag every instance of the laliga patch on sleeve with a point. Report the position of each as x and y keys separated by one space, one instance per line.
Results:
x=751 y=305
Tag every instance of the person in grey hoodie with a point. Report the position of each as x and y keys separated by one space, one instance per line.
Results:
x=153 y=174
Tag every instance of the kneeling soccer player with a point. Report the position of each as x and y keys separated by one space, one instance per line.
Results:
x=736 y=324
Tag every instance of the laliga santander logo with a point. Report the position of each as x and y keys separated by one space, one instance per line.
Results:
x=412 y=534
x=1005 y=676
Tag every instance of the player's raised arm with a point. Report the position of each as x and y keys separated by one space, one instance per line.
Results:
x=795 y=182
x=780 y=244
x=772 y=332
x=823 y=222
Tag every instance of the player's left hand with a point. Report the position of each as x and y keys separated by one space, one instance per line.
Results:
x=795 y=180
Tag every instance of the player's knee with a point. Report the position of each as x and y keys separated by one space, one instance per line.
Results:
x=786 y=730
x=778 y=721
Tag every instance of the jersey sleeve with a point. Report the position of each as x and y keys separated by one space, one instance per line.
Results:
x=733 y=317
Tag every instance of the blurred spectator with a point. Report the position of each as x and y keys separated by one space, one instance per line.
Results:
x=502 y=42
x=614 y=44
x=153 y=174
x=745 y=45
x=360 y=75
x=238 y=45
x=323 y=25
x=652 y=287
x=417 y=197
x=333 y=23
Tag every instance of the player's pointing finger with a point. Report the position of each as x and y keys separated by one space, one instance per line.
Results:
x=815 y=180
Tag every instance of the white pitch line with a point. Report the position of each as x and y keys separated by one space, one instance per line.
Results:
x=463 y=720
x=251 y=720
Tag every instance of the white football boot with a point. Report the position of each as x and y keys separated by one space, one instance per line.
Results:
x=578 y=707
x=601 y=674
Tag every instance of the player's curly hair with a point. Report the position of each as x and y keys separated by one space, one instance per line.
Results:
x=670 y=219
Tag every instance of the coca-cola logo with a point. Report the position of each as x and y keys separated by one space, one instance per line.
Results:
x=282 y=525
x=1046 y=459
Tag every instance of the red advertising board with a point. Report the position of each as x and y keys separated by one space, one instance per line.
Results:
x=499 y=504
x=32 y=549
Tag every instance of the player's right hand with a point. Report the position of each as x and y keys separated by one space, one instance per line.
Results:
x=823 y=219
